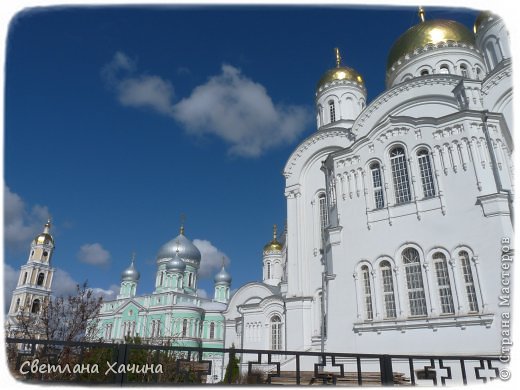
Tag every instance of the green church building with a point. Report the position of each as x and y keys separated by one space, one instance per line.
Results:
x=173 y=314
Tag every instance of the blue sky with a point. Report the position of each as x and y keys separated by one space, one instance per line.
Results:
x=119 y=119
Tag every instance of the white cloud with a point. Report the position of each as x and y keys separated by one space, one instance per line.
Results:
x=93 y=254
x=63 y=284
x=202 y=293
x=108 y=294
x=20 y=224
x=229 y=106
x=211 y=259
x=10 y=282
x=240 y=111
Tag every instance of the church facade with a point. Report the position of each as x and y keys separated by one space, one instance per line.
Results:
x=397 y=209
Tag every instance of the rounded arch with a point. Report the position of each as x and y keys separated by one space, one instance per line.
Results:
x=444 y=63
x=423 y=68
x=383 y=258
x=399 y=252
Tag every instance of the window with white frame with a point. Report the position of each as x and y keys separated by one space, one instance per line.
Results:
x=443 y=283
x=184 y=328
x=324 y=215
x=388 y=289
x=377 y=184
x=414 y=282
x=212 y=330
x=367 y=292
x=276 y=333
x=332 y=111
x=400 y=177
x=468 y=281
x=268 y=270
x=425 y=169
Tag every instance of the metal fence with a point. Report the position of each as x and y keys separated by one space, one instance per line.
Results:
x=139 y=364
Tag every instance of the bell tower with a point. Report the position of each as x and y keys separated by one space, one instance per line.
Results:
x=34 y=281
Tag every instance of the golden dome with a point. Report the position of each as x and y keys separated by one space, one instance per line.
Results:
x=481 y=18
x=340 y=73
x=273 y=245
x=429 y=32
x=45 y=237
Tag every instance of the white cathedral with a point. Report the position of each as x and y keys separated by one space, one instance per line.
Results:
x=396 y=213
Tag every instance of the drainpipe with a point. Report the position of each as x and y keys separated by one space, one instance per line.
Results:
x=494 y=166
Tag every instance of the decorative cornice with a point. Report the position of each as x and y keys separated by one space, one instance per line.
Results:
x=397 y=90
x=408 y=57
x=307 y=143
x=337 y=83
x=502 y=71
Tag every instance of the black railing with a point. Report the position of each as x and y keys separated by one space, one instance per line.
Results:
x=121 y=364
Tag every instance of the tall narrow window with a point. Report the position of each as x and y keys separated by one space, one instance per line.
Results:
x=41 y=276
x=24 y=278
x=190 y=279
x=184 y=327
x=332 y=110
x=161 y=279
x=468 y=281
x=324 y=215
x=276 y=333
x=388 y=289
x=212 y=330
x=479 y=73
x=35 y=306
x=425 y=168
x=377 y=183
x=414 y=282
x=268 y=270
x=17 y=305
x=367 y=292
x=463 y=70
x=400 y=175
x=443 y=282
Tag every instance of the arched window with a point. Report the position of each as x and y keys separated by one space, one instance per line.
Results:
x=444 y=69
x=17 y=306
x=367 y=292
x=479 y=73
x=388 y=289
x=212 y=330
x=324 y=215
x=425 y=168
x=400 y=175
x=161 y=279
x=468 y=281
x=443 y=282
x=41 y=276
x=491 y=54
x=184 y=327
x=276 y=333
x=464 y=72
x=24 y=277
x=35 y=306
x=190 y=280
x=377 y=184
x=425 y=72
x=414 y=282
x=332 y=111
x=268 y=270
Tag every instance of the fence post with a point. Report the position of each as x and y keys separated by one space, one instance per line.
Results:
x=387 y=374
x=122 y=358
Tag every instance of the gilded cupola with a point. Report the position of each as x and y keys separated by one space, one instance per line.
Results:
x=429 y=32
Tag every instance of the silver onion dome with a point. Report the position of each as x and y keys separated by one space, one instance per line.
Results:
x=176 y=264
x=223 y=276
x=181 y=244
x=130 y=274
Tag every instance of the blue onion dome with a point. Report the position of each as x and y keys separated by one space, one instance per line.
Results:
x=130 y=274
x=185 y=248
x=176 y=264
x=223 y=276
